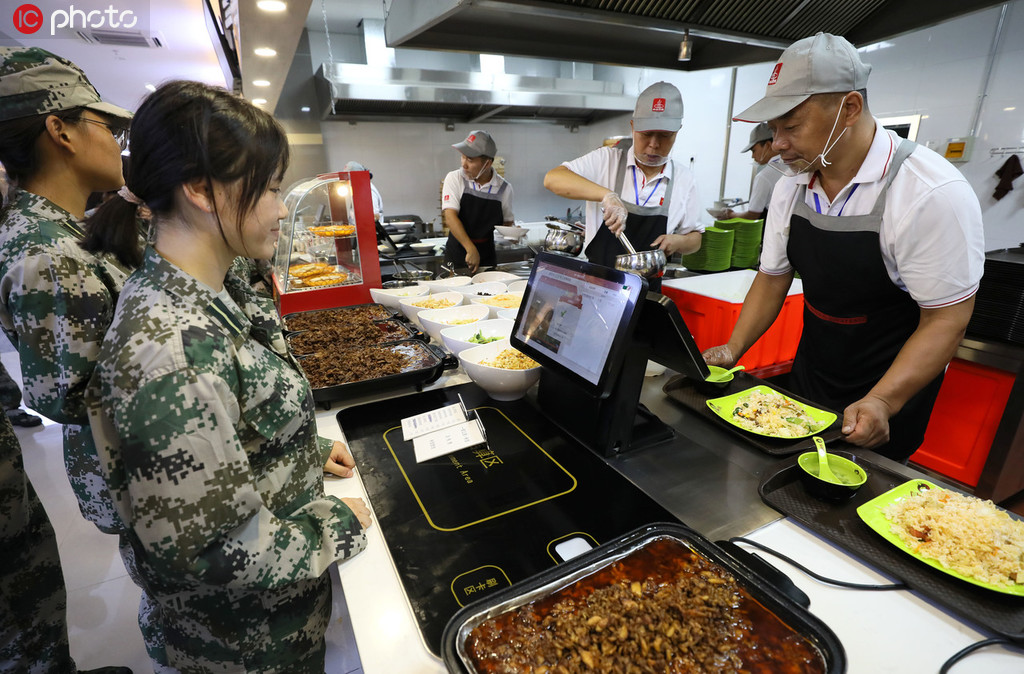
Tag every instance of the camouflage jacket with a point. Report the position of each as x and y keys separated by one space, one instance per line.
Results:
x=56 y=301
x=205 y=427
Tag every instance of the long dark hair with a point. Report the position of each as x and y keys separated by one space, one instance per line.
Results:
x=182 y=132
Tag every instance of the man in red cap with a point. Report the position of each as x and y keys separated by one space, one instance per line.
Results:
x=887 y=237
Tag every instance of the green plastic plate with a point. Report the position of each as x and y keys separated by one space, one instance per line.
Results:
x=871 y=514
x=724 y=406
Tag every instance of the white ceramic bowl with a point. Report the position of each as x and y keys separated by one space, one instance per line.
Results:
x=517 y=286
x=411 y=311
x=493 y=307
x=436 y=320
x=491 y=276
x=456 y=338
x=422 y=247
x=481 y=289
x=499 y=383
x=512 y=233
x=390 y=297
x=440 y=285
x=508 y=314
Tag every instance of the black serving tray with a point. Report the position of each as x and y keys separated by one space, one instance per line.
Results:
x=426 y=367
x=781 y=489
x=547 y=582
x=684 y=391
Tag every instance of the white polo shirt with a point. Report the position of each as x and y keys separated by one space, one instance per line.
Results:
x=761 y=190
x=600 y=166
x=455 y=183
x=932 y=237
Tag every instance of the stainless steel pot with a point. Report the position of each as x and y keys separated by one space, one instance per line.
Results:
x=565 y=241
x=647 y=263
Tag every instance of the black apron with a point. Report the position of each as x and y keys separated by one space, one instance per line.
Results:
x=479 y=213
x=855 y=318
x=644 y=224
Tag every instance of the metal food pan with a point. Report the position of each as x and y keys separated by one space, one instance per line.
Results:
x=544 y=584
x=426 y=365
x=394 y=330
x=382 y=313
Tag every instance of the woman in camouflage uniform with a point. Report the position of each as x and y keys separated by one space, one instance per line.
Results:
x=203 y=420
x=58 y=143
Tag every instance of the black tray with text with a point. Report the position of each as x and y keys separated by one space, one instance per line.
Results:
x=684 y=391
x=839 y=523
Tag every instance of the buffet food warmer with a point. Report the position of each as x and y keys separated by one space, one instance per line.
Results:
x=327 y=249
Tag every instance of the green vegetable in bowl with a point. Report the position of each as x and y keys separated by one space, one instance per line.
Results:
x=479 y=338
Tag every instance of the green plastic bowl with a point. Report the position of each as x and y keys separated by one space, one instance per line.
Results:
x=854 y=477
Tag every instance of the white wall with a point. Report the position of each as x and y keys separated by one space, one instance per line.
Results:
x=935 y=72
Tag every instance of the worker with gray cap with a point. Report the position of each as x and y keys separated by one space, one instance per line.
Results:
x=59 y=141
x=475 y=198
x=378 y=202
x=885 y=234
x=760 y=149
x=635 y=186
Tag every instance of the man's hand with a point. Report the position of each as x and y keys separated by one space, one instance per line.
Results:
x=673 y=243
x=866 y=422
x=720 y=356
x=614 y=212
x=340 y=462
x=472 y=259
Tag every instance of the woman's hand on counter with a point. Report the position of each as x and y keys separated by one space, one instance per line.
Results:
x=359 y=509
x=340 y=462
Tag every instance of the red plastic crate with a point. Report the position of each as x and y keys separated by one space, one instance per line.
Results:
x=710 y=305
x=964 y=421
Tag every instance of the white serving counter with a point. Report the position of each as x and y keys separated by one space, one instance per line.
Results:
x=896 y=631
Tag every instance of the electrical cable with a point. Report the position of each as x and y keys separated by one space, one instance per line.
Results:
x=967 y=650
x=818 y=576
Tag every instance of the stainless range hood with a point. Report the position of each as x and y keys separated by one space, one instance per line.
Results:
x=379 y=91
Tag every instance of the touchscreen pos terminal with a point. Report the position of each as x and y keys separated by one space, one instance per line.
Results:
x=593 y=329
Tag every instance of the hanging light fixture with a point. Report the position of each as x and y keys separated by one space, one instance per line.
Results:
x=686 y=47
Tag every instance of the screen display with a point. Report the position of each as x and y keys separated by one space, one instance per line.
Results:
x=578 y=316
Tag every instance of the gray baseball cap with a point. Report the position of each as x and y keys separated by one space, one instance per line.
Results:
x=33 y=81
x=477 y=144
x=822 y=64
x=759 y=134
x=658 y=108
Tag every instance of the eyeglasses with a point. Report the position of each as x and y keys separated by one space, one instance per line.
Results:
x=119 y=131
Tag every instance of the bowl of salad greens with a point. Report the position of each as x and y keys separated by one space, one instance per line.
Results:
x=459 y=337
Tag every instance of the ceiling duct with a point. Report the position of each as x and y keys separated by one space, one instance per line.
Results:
x=648 y=34
x=379 y=91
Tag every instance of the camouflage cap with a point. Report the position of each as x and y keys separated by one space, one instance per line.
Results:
x=33 y=81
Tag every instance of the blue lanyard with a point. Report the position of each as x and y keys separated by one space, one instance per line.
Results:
x=636 y=192
x=817 y=204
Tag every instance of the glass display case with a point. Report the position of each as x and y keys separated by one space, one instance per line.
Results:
x=327 y=249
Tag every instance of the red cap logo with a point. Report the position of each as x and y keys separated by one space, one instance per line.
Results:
x=658 y=105
x=471 y=138
x=775 y=74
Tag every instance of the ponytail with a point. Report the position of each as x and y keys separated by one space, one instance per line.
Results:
x=115 y=228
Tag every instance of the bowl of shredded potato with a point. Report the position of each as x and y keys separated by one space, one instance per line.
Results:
x=499 y=369
x=496 y=303
x=412 y=306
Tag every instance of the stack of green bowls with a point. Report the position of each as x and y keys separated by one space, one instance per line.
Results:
x=746 y=246
x=715 y=252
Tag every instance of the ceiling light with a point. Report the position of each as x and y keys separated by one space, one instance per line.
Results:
x=686 y=47
x=272 y=5
x=150 y=87
x=261 y=83
x=1010 y=109
x=264 y=51
x=304 y=108
x=259 y=101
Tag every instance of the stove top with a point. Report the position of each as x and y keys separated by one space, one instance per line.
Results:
x=463 y=526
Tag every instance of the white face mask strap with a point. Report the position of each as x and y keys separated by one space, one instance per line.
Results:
x=483 y=168
x=828 y=146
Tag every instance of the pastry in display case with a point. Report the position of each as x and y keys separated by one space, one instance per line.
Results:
x=327 y=249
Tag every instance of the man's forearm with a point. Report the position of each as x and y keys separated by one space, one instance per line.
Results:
x=924 y=355
x=565 y=183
